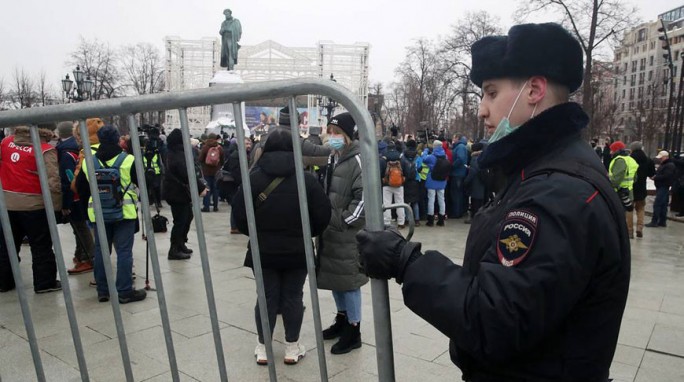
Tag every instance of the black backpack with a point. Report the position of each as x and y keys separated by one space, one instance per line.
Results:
x=441 y=170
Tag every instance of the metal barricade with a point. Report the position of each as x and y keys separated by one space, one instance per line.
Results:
x=182 y=100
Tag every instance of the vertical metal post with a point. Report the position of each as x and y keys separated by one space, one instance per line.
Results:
x=374 y=221
x=23 y=301
x=104 y=250
x=57 y=245
x=253 y=240
x=199 y=226
x=152 y=247
x=306 y=233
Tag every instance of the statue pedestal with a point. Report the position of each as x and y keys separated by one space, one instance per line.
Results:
x=222 y=117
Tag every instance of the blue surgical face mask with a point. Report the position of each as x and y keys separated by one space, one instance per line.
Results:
x=504 y=127
x=337 y=143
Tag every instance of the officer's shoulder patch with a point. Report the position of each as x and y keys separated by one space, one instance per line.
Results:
x=516 y=237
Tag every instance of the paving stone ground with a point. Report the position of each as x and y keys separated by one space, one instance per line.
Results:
x=651 y=342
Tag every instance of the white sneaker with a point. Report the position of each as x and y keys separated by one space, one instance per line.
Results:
x=260 y=354
x=294 y=351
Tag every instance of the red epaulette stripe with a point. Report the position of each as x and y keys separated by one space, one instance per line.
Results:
x=592 y=197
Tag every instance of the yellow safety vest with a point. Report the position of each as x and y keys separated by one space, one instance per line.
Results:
x=130 y=198
x=630 y=174
x=155 y=164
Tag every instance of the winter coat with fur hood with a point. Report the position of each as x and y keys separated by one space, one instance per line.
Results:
x=18 y=201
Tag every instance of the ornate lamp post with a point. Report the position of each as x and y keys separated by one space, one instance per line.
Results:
x=326 y=103
x=83 y=86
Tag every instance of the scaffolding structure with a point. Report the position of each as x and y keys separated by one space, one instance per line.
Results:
x=191 y=64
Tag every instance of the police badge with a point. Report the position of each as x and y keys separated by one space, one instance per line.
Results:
x=516 y=237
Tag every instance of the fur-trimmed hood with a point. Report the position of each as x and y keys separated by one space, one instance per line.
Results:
x=22 y=135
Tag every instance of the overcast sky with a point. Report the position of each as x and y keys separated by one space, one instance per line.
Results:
x=39 y=34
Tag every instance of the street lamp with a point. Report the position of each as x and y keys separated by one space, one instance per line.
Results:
x=330 y=104
x=83 y=86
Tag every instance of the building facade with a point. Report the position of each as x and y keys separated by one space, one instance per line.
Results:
x=643 y=81
x=190 y=64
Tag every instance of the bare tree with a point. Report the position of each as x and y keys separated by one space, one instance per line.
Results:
x=3 y=96
x=142 y=68
x=23 y=93
x=98 y=61
x=44 y=90
x=592 y=22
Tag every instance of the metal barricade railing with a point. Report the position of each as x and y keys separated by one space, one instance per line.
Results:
x=182 y=100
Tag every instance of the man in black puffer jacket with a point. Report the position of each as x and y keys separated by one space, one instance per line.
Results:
x=545 y=276
x=280 y=236
x=646 y=170
x=176 y=192
x=664 y=178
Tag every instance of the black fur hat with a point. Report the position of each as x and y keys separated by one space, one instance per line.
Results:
x=284 y=116
x=529 y=50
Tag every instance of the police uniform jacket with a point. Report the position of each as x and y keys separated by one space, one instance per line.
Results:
x=544 y=281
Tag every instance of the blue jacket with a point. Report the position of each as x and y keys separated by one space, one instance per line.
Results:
x=430 y=160
x=67 y=151
x=460 y=156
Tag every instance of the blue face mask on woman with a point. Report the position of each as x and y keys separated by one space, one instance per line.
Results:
x=504 y=127
x=337 y=143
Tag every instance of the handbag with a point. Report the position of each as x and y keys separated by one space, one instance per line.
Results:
x=159 y=223
x=263 y=195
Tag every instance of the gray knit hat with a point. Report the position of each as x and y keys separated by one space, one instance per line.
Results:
x=636 y=146
x=65 y=130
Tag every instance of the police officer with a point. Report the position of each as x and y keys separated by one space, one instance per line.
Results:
x=544 y=280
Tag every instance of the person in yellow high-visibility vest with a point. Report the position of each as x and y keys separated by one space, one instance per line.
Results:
x=622 y=172
x=120 y=233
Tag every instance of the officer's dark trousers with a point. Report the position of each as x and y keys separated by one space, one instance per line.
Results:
x=660 y=204
x=182 y=218
x=284 y=294
x=34 y=225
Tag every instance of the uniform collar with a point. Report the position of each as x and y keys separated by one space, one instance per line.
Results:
x=535 y=138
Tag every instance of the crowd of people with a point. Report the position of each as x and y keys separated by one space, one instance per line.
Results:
x=545 y=276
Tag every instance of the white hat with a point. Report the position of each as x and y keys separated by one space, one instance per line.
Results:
x=663 y=154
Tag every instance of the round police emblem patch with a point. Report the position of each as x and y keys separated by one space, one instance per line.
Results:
x=516 y=237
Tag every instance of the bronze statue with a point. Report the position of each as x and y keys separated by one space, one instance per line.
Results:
x=231 y=32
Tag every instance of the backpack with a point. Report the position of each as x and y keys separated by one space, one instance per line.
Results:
x=213 y=156
x=393 y=174
x=441 y=169
x=109 y=189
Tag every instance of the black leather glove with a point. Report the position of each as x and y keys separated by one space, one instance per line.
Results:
x=386 y=254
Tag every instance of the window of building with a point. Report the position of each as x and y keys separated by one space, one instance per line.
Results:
x=652 y=45
x=623 y=93
x=648 y=89
x=631 y=95
x=624 y=80
x=636 y=49
x=625 y=69
x=642 y=75
x=618 y=56
x=623 y=106
x=631 y=105
x=674 y=71
x=650 y=75
x=642 y=64
x=648 y=103
x=641 y=35
x=632 y=80
x=641 y=92
x=634 y=66
x=650 y=61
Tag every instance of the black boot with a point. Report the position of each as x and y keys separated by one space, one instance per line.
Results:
x=430 y=221
x=440 y=220
x=335 y=330
x=350 y=339
x=184 y=248
x=175 y=253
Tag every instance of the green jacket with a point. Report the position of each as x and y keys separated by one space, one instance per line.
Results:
x=338 y=256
